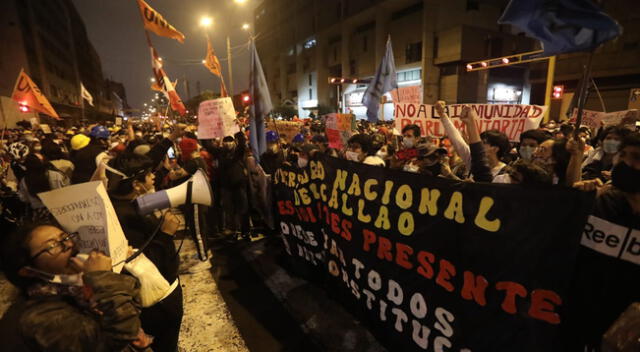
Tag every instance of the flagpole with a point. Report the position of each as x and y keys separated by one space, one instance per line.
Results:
x=583 y=92
x=230 y=66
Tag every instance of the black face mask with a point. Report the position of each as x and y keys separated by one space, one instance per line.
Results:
x=626 y=178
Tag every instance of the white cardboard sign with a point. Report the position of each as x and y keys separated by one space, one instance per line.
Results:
x=86 y=208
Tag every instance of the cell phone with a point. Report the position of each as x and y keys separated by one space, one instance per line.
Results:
x=171 y=153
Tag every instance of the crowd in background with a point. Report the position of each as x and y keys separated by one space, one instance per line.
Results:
x=144 y=157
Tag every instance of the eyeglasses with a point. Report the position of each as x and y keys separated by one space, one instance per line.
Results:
x=58 y=246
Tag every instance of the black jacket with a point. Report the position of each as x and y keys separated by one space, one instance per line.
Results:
x=84 y=161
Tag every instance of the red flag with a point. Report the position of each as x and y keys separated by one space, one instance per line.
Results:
x=163 y=81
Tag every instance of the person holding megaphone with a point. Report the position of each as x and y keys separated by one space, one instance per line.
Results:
x=132 y=176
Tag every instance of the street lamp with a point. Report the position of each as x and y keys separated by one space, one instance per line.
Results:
x=206 y=21
x=240 y=1
x=245 y=26
x=153 y=79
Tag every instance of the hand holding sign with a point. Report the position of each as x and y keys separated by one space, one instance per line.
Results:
x=440 y=108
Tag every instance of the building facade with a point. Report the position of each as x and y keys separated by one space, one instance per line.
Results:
x=303 y=43
x=48 y=39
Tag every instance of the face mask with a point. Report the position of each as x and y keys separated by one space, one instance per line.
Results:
x=353 y=156
x=625 y=178
x=526 y=152
x=411 y=168
x=274 y=148
x=228 y=146
x=610 y=146
x=381 y=154
x=408 y=142
x=302 y=163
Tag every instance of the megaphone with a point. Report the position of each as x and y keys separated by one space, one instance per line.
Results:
x=197 y=188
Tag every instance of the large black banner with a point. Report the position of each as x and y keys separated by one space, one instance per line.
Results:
x=433 y=264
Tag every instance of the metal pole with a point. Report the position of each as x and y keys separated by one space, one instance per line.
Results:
x=583 y=92
x=550 y=75
x=230 y=66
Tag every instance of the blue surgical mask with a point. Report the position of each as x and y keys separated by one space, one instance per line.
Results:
x=526 y=152
x=610 y=146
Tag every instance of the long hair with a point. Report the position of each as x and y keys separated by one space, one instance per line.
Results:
x=36 y=177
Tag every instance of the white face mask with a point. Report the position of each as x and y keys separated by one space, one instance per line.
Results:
x=382 y=155
x=302 y=163
x=611 y=146
x=526 y=152
x=411 y=168
x=408 y=142
x=353 y=156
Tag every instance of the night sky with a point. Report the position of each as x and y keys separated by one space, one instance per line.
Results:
x=116 y=31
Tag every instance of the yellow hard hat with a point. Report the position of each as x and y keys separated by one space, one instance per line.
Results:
x=79 y=141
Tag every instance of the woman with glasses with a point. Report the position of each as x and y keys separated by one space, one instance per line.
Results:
x=72 y=305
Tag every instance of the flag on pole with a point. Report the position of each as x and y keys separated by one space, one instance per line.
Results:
x=154 y=22
x=84 y=93
x=165 y=84
x=211 y=61
x=261 y=106
x=385 y=80
x=562 y=26
x=26 y=92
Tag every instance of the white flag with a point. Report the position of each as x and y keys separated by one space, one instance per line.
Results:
x=84 y=93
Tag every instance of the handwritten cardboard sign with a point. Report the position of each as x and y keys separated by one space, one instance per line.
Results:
x=86 y=208
x=411 y=95
x=216 y=119
x=45 y=128
x=285 y=129
x=512 y=119
x=118 y=121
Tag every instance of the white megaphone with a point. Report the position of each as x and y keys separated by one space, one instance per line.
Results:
x=198 y=185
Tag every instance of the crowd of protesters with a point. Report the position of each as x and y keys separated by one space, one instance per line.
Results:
x=40 y=258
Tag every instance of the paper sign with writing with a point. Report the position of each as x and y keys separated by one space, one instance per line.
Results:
x=412 y=95
x=45 y=129
x=118 y=121
x=86 y=208
x=626 y=117
x=216 y=119
x=512 y=119
x=285 y=129
x=590 y=118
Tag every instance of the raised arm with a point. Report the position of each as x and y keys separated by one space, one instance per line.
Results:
x=459 y=145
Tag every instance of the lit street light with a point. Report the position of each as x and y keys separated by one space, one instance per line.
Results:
x=240 y=1
x=206 y=21
x=153 y=79
x=245 y=26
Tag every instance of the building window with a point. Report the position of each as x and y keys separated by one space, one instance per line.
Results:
x=473 y=5
x=413 y=53
x=310 y=93
x=364 y=43
x=449 y=70
x=411 y=75
x=352 y=67
x=310 y=80
x=335 y=53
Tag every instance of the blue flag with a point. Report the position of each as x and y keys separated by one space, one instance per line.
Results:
x=385 y=80
x=261 y=106
x=562 y=26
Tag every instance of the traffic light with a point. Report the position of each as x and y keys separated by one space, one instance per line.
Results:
x=23 y=107
x=558 y=91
